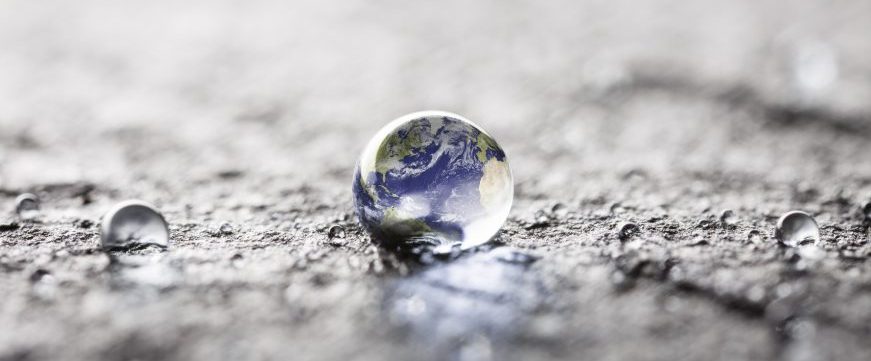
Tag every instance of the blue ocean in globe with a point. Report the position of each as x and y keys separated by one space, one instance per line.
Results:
x=432 y=178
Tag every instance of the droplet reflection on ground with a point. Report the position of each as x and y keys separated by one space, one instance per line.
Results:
x=487 y=294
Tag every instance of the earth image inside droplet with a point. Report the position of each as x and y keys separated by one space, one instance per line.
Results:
x=797 y=228
x=134 y=223
x=433 y=178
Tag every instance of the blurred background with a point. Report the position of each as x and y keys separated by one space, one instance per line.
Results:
x=108 y=90
x=254 y=112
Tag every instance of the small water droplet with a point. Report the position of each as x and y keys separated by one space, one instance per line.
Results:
x=227 y=228
x=728 y=218
x=756 y=294
x=541 y=217
x=699 y=242
x=616 y=208
x=754 y=237
x=560 y=210
x=627 y=230
x=336 y=231
x=27 y=206
x=620 y=280
x=45 y=286
x=237 y=260
x=797 y=228
x=37 y=275
x=133 y=223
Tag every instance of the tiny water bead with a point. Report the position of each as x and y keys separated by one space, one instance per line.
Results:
x=131 y=223
x=336 y=231
x=797 y=228
x=434 y=179
x=27 y=206
x=627 y=230
x=728 y=218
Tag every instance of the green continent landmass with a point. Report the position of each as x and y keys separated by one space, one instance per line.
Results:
x=484 y=143
x=397 y=148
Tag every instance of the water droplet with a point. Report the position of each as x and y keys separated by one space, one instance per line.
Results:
x=336 y=231
x=560 y=210
x=237 y=260
x=620 y=280
x=627 y=230
x=227 y=228
x=433 y=178
x=541 y=217
x=728 y=218
x=797 y=228
x=756 y=294
x=27 y=206
x=132 y=223
x=45 y=286
x=754 y=237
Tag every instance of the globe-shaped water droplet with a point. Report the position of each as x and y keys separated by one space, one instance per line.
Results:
x=435 y=179
x=132 y=223
x=27 y=206
x=797 y=228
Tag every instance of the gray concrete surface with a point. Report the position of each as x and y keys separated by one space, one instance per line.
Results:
x=252 y=113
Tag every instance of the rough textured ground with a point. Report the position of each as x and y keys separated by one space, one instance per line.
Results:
x=252 y=113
